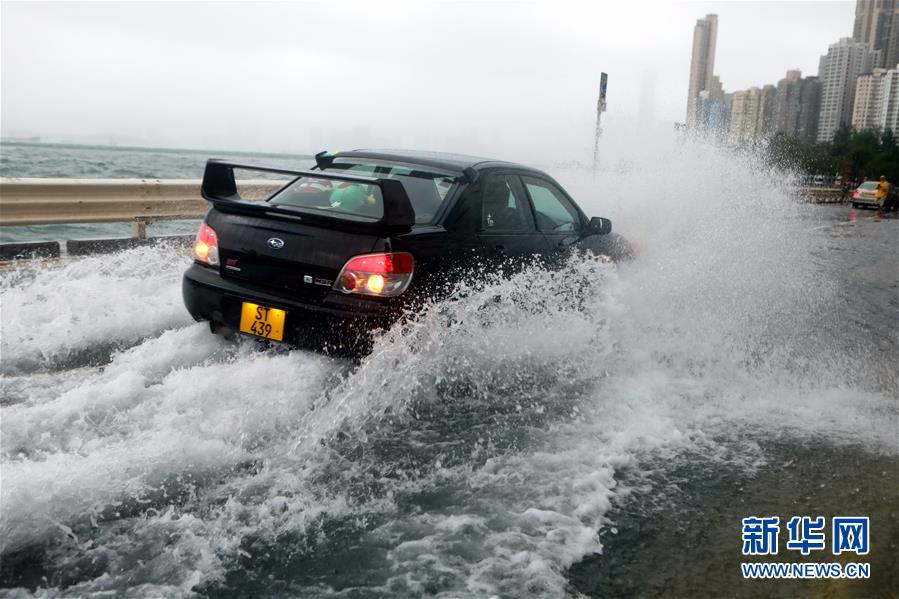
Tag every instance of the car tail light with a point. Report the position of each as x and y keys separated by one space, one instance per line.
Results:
x=382 y=275
x=206 y=247
x=855 y=193
x=632 y=247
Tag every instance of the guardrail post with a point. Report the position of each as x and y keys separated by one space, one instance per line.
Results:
x=139 y=228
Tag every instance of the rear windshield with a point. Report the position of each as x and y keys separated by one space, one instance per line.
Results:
x=868 y=185
x=337 y=197
x=426 y=191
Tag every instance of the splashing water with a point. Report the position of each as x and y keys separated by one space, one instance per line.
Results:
x=483 y=445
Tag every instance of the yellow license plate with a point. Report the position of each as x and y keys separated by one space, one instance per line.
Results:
x=262 y=321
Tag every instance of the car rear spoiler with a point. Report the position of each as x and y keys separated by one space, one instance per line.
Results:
x=220 y=188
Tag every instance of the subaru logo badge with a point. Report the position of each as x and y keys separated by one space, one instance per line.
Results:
x=275 y=243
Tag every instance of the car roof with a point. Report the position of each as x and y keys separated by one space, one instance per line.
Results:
x=439 y=160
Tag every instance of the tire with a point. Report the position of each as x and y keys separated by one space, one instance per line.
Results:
x=855 y=205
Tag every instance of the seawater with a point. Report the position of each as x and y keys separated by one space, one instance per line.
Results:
x=518 y=439
x=24 y=159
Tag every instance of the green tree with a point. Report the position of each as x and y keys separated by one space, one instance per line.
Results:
x=866 y=154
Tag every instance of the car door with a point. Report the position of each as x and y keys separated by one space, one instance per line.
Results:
x=507 y=232
x=556 y=216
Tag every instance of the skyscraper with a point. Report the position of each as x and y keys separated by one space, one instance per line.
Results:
x=796 y=105
x=890 y=54
x=702 y=64
x=877 y=100
x=809 y=108
x=891 y=101
x=786 y=103
x=744 y=115
x=713 y=113
x=868 y=109
x=877 y=25
x=764 y=125
x=872 y=22
x=838 y=69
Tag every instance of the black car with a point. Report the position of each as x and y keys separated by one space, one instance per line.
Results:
x=344 y=248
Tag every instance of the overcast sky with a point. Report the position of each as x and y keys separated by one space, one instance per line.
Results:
x=503 y=78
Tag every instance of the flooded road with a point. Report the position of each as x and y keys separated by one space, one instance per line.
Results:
x=597 y=431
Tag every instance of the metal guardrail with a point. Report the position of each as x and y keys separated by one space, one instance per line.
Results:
x=139 y=201
x=821 y=195
x=33 y=201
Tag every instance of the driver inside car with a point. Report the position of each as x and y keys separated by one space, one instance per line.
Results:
x=355 y=198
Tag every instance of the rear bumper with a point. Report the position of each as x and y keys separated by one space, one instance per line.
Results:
x=333 y=322
x=867 y=201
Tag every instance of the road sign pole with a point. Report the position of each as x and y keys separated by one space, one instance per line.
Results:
x=600 y=108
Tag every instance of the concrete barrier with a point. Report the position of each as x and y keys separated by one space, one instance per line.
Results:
x=87 y=247
x=29 y=250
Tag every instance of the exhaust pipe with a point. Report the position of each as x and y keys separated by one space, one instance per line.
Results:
x=220 y=329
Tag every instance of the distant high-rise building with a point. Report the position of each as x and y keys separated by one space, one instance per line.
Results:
x=872 y=22
x=786 y=103
x=796 y=105
x=744 y=115
x=702 y=64
x=753 y=114
x=709 y=105
x=719 y=118
x=868 y=110
x=890 y=95
x=877 y=100
x=702 y=107
x=764 y=124
x=890 y=54
x=715 y=89
x=877 y=25
x=838 y=69
x=713 y=113
x=809 y=109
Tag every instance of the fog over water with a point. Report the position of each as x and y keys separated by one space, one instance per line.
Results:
x=482 y=448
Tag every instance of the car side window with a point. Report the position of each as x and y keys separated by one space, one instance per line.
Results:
x=502 y=206
x=554 y=212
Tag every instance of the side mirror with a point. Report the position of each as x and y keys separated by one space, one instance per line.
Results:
x=599 y=226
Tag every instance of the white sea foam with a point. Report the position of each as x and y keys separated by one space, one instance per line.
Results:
x=49 y=314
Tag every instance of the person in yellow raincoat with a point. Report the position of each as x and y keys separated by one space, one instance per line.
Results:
x=886 y=200
x=882 y=189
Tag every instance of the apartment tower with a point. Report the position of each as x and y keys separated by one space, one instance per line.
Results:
x=877 y=100
x=744 y=115
x=877 y=25
x=702 y=64
x=837 y=71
